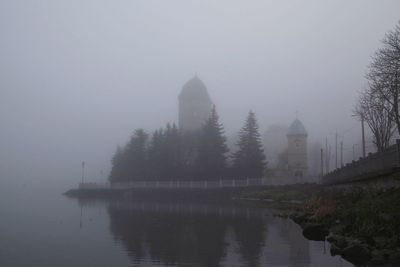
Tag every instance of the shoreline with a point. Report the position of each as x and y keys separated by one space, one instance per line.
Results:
x=360 y=224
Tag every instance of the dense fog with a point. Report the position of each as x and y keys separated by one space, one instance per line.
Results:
x=77 y=77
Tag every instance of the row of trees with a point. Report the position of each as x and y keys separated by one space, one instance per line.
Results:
x=379 y=103
x=170 y=154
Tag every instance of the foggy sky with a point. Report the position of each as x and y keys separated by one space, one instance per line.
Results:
x=77 y=77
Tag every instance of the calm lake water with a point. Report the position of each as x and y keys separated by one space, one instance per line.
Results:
x=48 y=229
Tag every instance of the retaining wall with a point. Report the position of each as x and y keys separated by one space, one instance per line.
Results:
x=371 y=167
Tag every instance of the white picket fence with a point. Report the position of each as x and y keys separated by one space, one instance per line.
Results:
x=206 y=184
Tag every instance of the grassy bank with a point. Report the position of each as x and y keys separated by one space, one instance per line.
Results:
x=362 y=225
x=287 y=195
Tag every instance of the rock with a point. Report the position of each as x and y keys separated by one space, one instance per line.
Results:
x=300 y=219
x=337 y=229
x=356 y=253
x=335 y=250
x=331 y=238
x=338 y=240
x=316 y=232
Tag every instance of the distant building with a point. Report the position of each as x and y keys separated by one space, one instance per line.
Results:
x=275 y=145
x=195 y=105
x=297 y=149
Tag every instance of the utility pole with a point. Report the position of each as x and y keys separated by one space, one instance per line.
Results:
x=322 y=162
x=326 y=155
x=341 y=154
x=363 y=134
x=336 y=150
x=354 y=153
x=83 y=171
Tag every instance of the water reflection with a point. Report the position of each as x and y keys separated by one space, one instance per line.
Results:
x=207 y=235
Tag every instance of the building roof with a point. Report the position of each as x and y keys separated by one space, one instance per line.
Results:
x=194 y=89
x=297 y=128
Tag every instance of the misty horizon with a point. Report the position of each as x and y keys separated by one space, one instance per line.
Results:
x=76 y=82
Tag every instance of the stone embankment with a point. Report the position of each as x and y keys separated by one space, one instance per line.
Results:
x=360 y=224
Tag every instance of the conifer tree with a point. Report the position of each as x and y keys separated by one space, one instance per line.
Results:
x=212 y=149
x=163 y=154
x=172 y=152
x=188 y=152
x=137 y=155
x=156 y=155
x=249 y=160
x=130 y=163
x=118 y=166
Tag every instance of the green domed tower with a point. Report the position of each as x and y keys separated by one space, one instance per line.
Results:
x=297 y=149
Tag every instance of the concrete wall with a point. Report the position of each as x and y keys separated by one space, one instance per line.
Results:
x=373 y=166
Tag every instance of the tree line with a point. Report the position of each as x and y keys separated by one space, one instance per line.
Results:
x=378 y=103
x=171 y=154
x=142 y=235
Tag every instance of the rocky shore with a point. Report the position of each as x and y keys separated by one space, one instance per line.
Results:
x=361 y=225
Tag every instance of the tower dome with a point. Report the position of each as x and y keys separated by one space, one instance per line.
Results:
x=297 y=128
x=195 y=105
x=194 y=89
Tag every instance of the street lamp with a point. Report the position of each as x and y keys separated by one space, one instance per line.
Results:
x=83 y=171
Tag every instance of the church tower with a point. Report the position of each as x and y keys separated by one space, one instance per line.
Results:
x=194 y=105
x=297 y=149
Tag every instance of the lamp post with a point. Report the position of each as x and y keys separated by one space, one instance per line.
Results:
x=83 y=171
x=322 y=162
x=336 y=155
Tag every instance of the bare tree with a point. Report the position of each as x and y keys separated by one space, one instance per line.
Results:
x=377 y=113
x=384 y=77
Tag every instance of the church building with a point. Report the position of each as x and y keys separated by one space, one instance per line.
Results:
x=297 y=149
x=195 y=105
